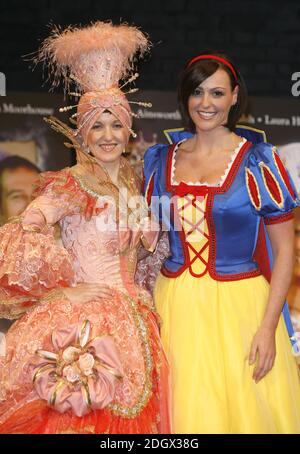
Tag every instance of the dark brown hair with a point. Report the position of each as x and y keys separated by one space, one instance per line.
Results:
x=193 y=75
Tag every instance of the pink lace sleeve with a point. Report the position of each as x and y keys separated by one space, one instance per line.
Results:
x=58 y=194
x=31 y=262
x=31 y=265
x=149 y=267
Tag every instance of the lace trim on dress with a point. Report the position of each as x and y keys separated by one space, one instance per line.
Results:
x=204 y=183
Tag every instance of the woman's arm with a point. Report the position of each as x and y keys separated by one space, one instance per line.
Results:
x=282 y=241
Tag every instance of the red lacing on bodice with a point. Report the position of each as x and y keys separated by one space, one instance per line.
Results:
x=194 y=227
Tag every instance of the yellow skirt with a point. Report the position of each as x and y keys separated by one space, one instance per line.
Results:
x=207 y=330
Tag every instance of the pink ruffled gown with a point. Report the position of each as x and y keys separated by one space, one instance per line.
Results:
x=100 y=367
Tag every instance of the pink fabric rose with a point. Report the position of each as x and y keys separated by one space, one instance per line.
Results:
x=81 y=373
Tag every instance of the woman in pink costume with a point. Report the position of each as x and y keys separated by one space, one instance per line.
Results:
x=84 y=355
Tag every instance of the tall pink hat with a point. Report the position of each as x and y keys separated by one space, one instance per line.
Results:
x=96 y=58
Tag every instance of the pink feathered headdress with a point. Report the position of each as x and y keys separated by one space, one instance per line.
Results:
x=95 y=58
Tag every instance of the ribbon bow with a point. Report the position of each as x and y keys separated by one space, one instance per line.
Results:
x=80 y=373
x=183 y=189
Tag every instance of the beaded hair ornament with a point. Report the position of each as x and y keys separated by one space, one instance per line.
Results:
x=95 y=58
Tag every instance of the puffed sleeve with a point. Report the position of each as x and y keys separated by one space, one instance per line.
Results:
x=58 y=194
x=32 y=263
x=271 y=190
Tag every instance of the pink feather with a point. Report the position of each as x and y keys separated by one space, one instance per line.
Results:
x=98 y=55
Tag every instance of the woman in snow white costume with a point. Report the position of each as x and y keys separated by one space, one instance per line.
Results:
x=226 y=202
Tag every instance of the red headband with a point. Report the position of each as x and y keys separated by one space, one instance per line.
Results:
x=214 y=57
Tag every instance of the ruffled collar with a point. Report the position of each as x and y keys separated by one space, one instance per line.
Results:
x=204 y=183
x=94 y=167
x=90 y=171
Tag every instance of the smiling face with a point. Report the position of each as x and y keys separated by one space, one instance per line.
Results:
x=17 y=187
x=107 y=138
x=210 y=103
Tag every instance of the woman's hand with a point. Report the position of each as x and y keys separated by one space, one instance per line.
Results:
x=263 y=350
x=85 y=292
